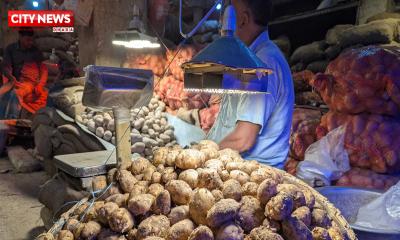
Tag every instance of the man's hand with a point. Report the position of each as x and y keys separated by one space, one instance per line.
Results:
x=242 y=138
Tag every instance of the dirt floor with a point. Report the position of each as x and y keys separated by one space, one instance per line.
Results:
x=19 y=207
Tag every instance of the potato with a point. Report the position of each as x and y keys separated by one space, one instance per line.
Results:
x=201 y=233
x=45 y=236
x=294 y=192
x=171 y=157
x=105 y=211
x=210 y=153
x=121 y=220
x=319 y=218
x=264 y=173
x=65 y=235
x=303 y=214
x=279 y=207
x=91 y=214
x=214 y=164
x=156 y=226
x=232 y=189
x=229 y=155
x=223 y=211
x=143 y=183
x=295 y=229
x=162 y=203
x=168 y=175
x=230 y=166
x=108 y=135
x=218 y=195
x=181 y=230
x=137 y=190
x=156 y=177
x=99 y=183
x=225 y=175
x=90 y=230
x=266 y=190
x=71 y=224
x=272 y=225
x=240 y=176
x=250 y=214
x=190 y=159
x=81 y=209
x=178 y=214
x=180 y=191
x=139 y=165
x=126 y=180
x=210 y=179
x=160 y=156
x=138 y=147
x=107 y=234
x=100 y=132
x=154 y=238
x=200 y=204
x=263 y=233
x=250 y=189
x=119 y=199
x=132 y=234
x=155 y=189
x=111 y=191
x=190 y=176
x=111 y=176
x=230 y=231
x=208 y=145
x=335 y=233
x=141 y=204
x=249 y=166
x=78 y=230
x=319 y=233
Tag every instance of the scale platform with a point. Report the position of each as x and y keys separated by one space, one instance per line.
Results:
x=89 y=164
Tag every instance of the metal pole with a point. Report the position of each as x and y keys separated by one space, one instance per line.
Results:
x=122 y=135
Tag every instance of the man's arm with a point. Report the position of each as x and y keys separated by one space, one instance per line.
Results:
x=242 y=138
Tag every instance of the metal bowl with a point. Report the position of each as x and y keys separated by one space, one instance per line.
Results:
x=348 y=201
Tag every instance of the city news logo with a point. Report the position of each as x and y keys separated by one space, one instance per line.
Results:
x=60 y=21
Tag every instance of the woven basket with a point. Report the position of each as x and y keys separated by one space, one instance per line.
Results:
x=332 y=211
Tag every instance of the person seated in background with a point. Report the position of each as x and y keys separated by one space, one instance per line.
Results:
x=24 y=78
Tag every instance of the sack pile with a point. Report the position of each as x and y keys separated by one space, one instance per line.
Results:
x=304 y=92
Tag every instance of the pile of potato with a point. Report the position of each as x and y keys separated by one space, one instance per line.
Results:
x=201 y=193
x=365 y=178
x=149 y=126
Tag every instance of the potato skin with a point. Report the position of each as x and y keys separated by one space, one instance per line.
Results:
x=303 y=214
x=160 y=156
x=121 y=220
x=222 y=212
x=240 y=176
x=296 y=193
x=279 y=207
x=272 y=225
x=319 y=218
x=107 y=234
x=250 y=189
x=190 y=176
x=65 y=235
x=119 y=199
x=141 y=204
x=155 y=226
x=201 y=233
x=162 y=203
x=230 y=231
x=210 y=179
x=181 y=230
x=90 y=230
x=295 y=229
x=200 y=204
x=263 y=233
x=319 y=233
x=218 y=195
x=137 y=190
x=232 y=189
x=180 y=191
x=155 y=189
x=250 y=214
x=126 y=180
x=105 y=211
x=71 y=224
x=178 y=214
x=139 y=165
x=190 y=159
x=266 y=190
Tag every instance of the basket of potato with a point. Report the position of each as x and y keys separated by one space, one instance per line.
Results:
x=203 y=193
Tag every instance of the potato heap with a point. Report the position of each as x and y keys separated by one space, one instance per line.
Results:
x=201 y=193
x=149 y=126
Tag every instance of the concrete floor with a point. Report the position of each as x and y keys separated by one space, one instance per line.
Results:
x=19 y=207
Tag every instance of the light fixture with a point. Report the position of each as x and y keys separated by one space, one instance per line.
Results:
x=226 y=66
x=35 y=4
x=135 y=37
x=219 y=6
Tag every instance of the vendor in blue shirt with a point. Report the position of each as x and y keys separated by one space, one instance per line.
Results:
x=258 y=126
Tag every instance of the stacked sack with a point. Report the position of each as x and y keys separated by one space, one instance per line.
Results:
x=149 y=126
x=304 y=92
x=317 y=55
x=361 y=88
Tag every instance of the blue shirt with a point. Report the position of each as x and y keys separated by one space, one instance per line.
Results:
x=272 y=112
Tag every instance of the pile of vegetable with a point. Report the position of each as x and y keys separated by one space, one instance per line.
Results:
x=358 y=177
x=149 y=61
x=200 y=193
x=149 y=126
x=304 y=92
